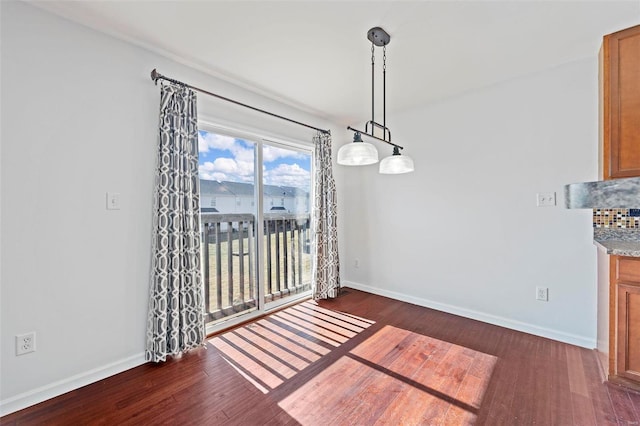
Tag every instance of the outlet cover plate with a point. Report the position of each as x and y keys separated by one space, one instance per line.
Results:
x=546 y=199
x=542 y=294
x=25 y=343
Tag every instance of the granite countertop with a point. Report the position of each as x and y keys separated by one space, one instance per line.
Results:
x=619 y=242
x=609 y=194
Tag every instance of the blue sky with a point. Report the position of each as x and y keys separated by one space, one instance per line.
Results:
x=226 y=158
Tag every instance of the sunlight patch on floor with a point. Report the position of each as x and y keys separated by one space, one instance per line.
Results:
x=274 y=349
x=396 y=377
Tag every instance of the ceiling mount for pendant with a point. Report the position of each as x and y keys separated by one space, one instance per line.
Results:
x=378 y=36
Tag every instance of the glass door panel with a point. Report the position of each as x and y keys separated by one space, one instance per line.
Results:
x=286 y=192
x=228 y=224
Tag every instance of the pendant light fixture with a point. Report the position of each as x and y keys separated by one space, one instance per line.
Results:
x=360 y=153
x=396 y=163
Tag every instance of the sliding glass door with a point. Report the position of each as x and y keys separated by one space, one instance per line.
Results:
x=286 y=198
x=228 y=224
x=255 y=201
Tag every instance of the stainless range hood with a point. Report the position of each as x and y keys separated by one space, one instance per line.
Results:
x=605 y=194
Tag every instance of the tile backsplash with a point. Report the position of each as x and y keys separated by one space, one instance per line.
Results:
x=614 y=218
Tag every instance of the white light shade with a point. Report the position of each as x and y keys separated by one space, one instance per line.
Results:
x=357 y=154
x=396 y=164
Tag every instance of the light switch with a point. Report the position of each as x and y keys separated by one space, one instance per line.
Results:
x=546 y=199
x=113 y=201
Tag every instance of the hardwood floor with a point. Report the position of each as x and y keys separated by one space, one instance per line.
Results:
x=359 y=359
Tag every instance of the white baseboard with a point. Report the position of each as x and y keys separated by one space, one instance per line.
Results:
x=561 y=336
x=51 y=390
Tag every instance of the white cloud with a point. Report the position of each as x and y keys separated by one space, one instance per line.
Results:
x=240 y=151
x=272 y=153
x=214 y=141
x=288 y=175
x=243 y=154
x=224 y=168
x=236 y=147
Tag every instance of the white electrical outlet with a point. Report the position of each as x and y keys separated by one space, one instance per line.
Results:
x=542 y=293
x=356 y=263
x=25 y=343
x=546 y=199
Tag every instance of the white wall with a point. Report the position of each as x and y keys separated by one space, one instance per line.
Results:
x=79 y=118
x=463 y=233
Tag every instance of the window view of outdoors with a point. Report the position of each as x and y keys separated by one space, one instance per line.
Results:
x=229 y=213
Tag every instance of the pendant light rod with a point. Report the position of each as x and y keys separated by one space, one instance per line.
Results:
x=375 y=137
x=384 y=89
x=373 y=87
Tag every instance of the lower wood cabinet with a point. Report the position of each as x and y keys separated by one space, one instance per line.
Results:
x=628 y=354
x=626 y=281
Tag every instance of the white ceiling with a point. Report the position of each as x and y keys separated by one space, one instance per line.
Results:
x=315 y=54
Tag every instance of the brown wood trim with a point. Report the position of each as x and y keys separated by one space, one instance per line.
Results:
x=613 y=301
x=605 y=110
x=621 y=353
x=628 y=384
x=614 y=106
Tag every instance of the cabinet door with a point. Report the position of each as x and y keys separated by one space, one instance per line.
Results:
x=628 y=331
x=621 y=104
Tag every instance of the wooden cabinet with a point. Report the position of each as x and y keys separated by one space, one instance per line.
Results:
x=628 y=356
x=620 y=104
x=619 y=277
x=625 y=289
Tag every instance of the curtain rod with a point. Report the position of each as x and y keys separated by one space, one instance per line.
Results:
x=155 y=76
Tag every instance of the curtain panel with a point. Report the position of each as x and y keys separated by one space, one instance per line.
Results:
x=326 y=272
x=176 y=301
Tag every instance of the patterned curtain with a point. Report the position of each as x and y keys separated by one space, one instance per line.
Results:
x=326 y=273
x=176 y=301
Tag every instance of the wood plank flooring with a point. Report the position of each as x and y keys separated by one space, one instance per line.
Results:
x=360 y=359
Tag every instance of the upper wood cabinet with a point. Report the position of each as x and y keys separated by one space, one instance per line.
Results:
x=620 y=104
